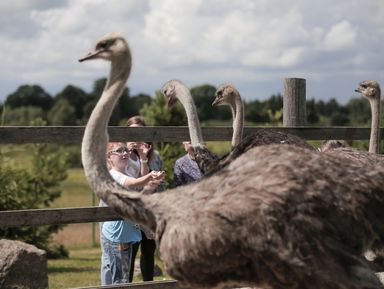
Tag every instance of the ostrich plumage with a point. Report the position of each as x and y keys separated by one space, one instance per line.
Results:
x=276 y=217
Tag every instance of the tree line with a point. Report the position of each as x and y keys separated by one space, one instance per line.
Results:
x=72 y=106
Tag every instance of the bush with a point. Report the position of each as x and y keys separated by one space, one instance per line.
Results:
x=33 y=189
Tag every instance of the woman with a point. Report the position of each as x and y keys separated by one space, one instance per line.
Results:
x=118 y=237
x=149 y=161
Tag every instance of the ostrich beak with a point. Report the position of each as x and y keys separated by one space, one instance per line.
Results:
x=91 y=55
x=216 y=101
x=170 y=101
x=359 y=89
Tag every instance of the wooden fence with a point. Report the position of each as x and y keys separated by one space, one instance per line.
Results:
x=21 y=135
x=294 y=119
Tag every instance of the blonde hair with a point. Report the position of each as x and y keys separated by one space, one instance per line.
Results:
x=110 y=147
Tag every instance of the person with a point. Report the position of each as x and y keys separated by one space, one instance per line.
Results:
x=149 y=161
x=186 y=169
x=118 y=237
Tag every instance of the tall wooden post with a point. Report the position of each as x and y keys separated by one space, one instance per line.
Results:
x=294 y=111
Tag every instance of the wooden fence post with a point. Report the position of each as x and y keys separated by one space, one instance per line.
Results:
x=294 y=111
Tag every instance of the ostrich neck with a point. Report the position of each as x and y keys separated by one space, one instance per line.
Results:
x=94 y=146
x=238 y=121
x=195 y=134
x=96 y=136
x=374 y=142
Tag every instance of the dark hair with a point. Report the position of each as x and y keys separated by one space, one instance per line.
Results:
x=139 y=120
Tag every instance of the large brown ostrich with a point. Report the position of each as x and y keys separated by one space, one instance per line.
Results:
x=276 y=217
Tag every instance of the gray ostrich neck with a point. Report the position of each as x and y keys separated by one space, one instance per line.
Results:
x=186 y=100
x=96 y=136
x=374 y=142
x=238 y=120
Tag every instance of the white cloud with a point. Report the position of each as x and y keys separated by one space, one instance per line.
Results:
x=340 y=36
x=246 y=42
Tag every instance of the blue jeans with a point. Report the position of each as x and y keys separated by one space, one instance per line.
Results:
x=105 y=270
x=115 y=261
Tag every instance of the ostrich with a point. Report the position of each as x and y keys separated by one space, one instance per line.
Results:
x=173 y=90
x=276 y=217
x=227 y=94
x=370 y=89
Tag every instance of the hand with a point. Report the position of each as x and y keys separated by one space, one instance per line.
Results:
x=143 y=149
x=157 y=175
x=132 y=146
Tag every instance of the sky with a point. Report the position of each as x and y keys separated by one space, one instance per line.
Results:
x=253 y=44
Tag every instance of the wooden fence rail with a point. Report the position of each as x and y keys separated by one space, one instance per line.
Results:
x=74 y=134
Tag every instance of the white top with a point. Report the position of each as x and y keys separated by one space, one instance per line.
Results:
x=133 y=168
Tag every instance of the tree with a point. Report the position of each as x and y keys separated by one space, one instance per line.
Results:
x=76 y=97
x=203 y=97
x=34 y=189
x=359 y=111
x=22 y=115
x=29 y=95
x=120 y=110
x=62 y=113
x=312 y=116
x=255 y=111
x=158 y=113
x=339 y=119
x=137 y=102
x=274 y=103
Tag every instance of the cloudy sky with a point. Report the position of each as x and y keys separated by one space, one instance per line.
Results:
x=253 y=44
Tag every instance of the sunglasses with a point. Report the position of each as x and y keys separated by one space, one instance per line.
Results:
x=120 y=151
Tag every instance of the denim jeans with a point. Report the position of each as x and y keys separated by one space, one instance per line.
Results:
x=115 y=262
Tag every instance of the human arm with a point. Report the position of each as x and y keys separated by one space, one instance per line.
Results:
x=143 y=149
x=130 y=182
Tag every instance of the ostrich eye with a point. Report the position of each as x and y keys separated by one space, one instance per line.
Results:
x=220 y=93
x=363 y=85
x=102 y=45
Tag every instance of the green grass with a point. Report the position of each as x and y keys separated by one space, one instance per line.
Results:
x=81 y=269
x=75 y=191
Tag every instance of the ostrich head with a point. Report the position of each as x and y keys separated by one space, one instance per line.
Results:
x=169 y=90
x=225 y=95
x=110 y=47
x=369 y=89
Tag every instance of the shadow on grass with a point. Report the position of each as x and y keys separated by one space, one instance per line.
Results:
x=72 y=270
x=82 y=259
